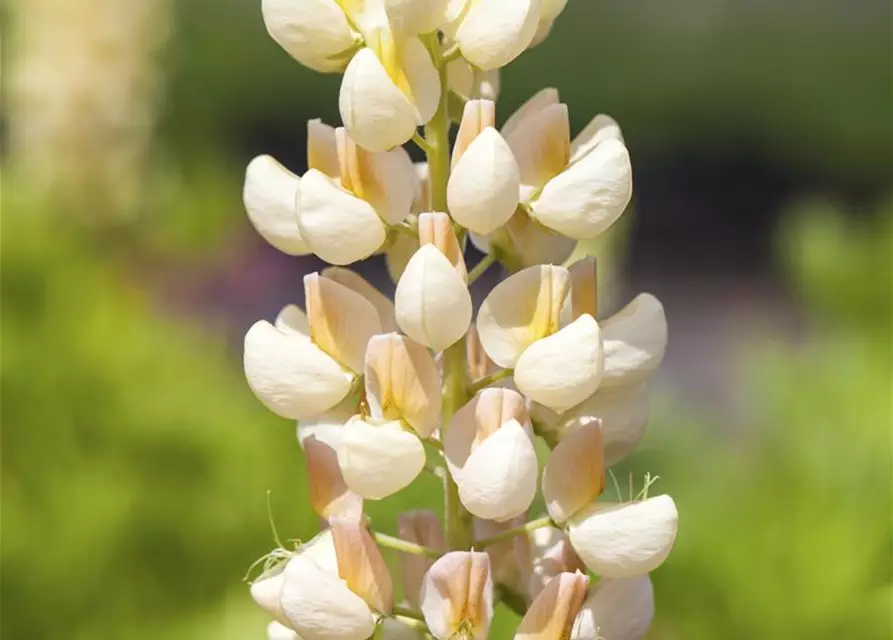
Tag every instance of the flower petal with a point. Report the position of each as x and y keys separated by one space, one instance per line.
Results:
x=534 y=105
x=584 y=287
x=291 y=319
x=414 y=17
x=477 y=115
x=277 y=631
x=616 y=610
x=423 y=78
x=498 y=480
x=266 y=592
x=532 y=244
x=588 y=197
x=357 y=283
x=432 y=300
x=402 y=383
x=329 y=493
x=551 y=615
x=482 y=193
x=625 y=540
x=541 y=145
x=509 y=559
x=437 y=229
x=319 y=606
x=288 y=373
x=360 y=563
x=311 y=31
x=341 y=320
x=552 y=554
x=270 y=195
x=322 y=150
x=574 y=474
x=564 y=369
x=599 y=129
x=379 y=460
x=494 y=32
x=472 y=84
x=458 y=589
x=339 y=227
x=635 y=340
x=623 y=412
x=421 y=527
x=520 y=310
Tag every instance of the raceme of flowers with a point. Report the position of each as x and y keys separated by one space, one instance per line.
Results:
x=384 y=391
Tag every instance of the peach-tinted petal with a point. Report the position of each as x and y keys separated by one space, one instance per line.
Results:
x=574 y=474
x=360 y=563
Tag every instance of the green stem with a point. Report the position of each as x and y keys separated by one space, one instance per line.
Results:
x=527 y=527
x=406 y=612
x=481 y=268
x=437 y=133
x=405 y=546
x=486 y=381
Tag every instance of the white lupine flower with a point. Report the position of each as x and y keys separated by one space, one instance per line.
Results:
x=420 y=527
x=627 y=539
x=414 y=17
x=635 y=340
x=552 y=613
x=389 y=88
x=482 y=193
x=437 y=321
x=492 y=33
x=616 y=610
x=489 y=451
x=269 y=196
x=316 y=33
x=457 y=596
x=344 y=218
x=578 y=189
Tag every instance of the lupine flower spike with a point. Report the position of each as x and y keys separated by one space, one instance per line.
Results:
x=384 y=392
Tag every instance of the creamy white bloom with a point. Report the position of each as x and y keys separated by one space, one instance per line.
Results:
x=269 y=195
x=377 y=460
x=635 y=341
x=414 y=17
x=457 y=593
x=482 y=193
x=432 y=300
x=578 y=189
x=562 y=370
x=492 y=33
x=315 y=32
x=627 y=539
x=574 y=474
x=616 y=610
x=552 y=613
x=389 y=88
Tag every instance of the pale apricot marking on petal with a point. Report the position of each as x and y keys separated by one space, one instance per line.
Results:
x=322 y=148
x=354 y=281
x=329 y=494
x=437 y=228
x=574 y=474
x=584 y=287
x=551 y=615
x=477 y=116
x=457 y=590
x=360 y=563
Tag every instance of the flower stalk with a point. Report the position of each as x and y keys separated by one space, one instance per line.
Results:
x=508 y=534
x=404 y=546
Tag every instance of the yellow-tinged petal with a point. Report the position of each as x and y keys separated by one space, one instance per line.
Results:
x=322 y=149
x=341 y=320
x=437 y=229
x=314 y=32
x=476 y=116
x=329 y=493
x=625 y=540
x=402 y=382
x=563 y=369
x=534 y=105
x=355 y=282
x=291 y=319
x=551 y=615
x=379 y=460
x=458 y=591
x=360 y=563
x=432 y=300
x=320 y=606
x=589 y=196
x=616 y=610
x=337 y=226
x=574 y=474
x=421 y=527
x=492 y=33
x=584 y=287
x=541 y=145
x=415 y=17
x=635 y=341
x=523 y=308
x=288 y=373
x=599 y=129
x=270 y=195
x=623 y=411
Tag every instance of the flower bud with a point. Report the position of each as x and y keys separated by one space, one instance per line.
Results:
x=616 y=610
x=623 y=412
x=627 y=539
x=292 y=376
x=388 y=90
x=551 y=555
x=437 y=229
x=523 y=308
x=492 y=33
x=563 y=369
x=269 y=195
x=314 y=32
x=415 y=17
x=402 y=383
x=358 y=284
x=551 y=615
x=341 y=320
x=584 y=287
x=379 y=460
x=277 y=631
x=432 y=300
x=329 y=493
x=574 y=475
x=360 y=563
x=457 y=596
x=419 y=527
x=635 y=340
x=483 y=188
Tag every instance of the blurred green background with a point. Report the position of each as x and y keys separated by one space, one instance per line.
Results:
x=135 y=462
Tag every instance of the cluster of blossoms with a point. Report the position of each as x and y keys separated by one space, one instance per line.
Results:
x=383 y=391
